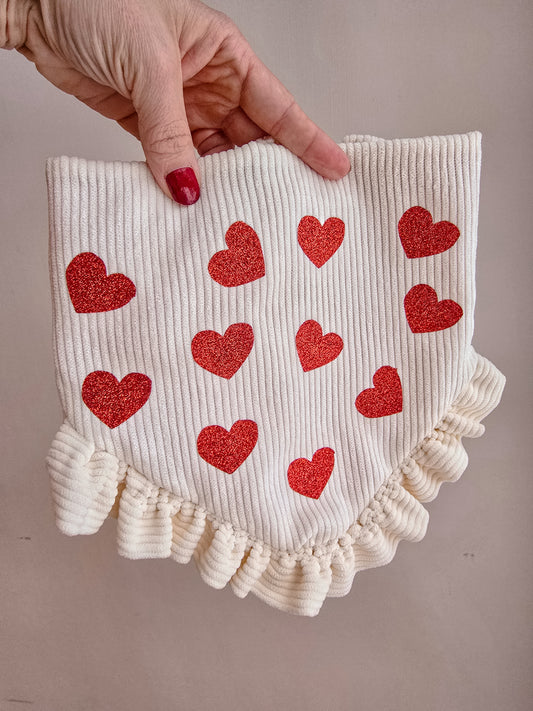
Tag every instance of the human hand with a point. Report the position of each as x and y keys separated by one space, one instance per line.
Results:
x=176 y=74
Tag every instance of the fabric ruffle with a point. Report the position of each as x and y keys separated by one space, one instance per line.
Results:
x=88 y=485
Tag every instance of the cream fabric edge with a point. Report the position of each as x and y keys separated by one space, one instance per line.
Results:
x=89 y=484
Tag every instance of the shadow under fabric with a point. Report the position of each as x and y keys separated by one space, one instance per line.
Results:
x=273 y=380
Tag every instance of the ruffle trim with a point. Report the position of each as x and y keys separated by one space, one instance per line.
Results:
x=88 y=485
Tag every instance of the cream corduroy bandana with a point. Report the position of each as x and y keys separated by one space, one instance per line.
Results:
x=274 y=379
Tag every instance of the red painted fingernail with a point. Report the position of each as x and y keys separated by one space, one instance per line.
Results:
x=183 y=186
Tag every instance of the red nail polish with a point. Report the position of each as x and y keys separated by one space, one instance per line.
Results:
x=183 y=186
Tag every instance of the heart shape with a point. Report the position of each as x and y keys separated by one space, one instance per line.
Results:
x=227 y=450
x=385 y=398
x=425 y=313
x=114 y=402
x=310 y=477
x=314 y=349
x=421 y=237
x=242 y=262
x=223 y=355
x=320 y=242
x=91 y=290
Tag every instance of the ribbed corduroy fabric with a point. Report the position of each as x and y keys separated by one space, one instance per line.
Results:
x=290 y=531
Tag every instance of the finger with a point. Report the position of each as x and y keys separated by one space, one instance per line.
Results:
x=240 y=129
x=237 y=130
x=271 y=106
x=208 y=141
x=157 y=96
x=130 y=123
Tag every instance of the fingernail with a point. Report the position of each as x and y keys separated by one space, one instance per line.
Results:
x=183 y=186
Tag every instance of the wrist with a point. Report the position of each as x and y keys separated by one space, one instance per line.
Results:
x=13 y=22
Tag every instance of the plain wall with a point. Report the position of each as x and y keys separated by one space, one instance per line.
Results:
x=447 y=625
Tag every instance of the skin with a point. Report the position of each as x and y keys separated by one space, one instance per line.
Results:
x=176 y=74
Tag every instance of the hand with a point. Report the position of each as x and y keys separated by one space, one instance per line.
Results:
x=174 y=73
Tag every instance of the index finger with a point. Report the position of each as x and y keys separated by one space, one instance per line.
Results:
x=272 y=107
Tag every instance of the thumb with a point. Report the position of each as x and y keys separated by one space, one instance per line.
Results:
x=164 y=131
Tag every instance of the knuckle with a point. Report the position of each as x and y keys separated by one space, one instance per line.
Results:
x=221 y=20
x=310 y=143
x=171 y=137
x=277 y=127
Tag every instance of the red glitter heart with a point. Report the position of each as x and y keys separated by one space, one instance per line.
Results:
x=227 y=450
x=425 y=313
x=223 y=355
x=421 y=237
x=314 y=349
x=320 y=242
x=91 y=290
x=385 y=398
x=112 y=401
x=310 y=477
x=242 y=262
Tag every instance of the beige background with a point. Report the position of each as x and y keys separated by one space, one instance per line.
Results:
x=447 y=625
